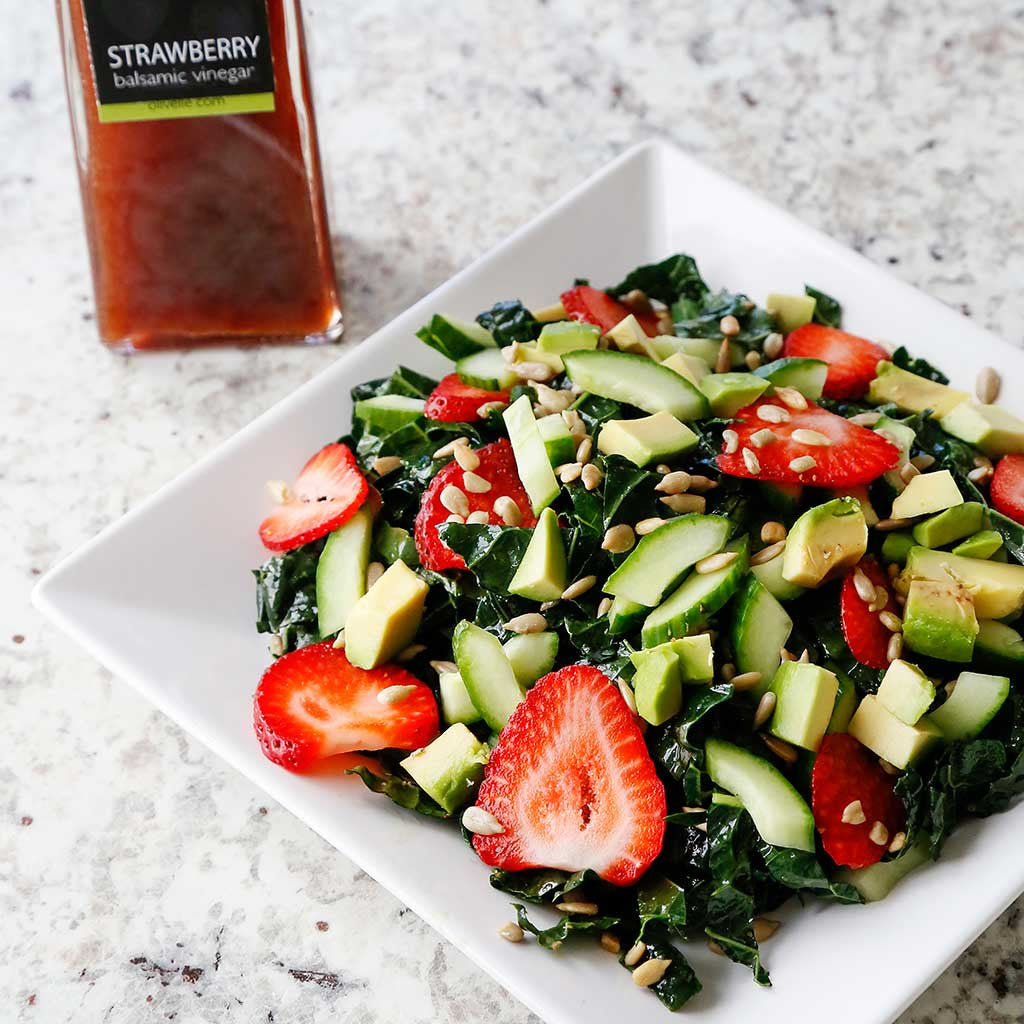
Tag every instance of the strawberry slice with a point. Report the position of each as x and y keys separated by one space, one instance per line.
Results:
x=312 y=703
x=498 y=468
x=844 y=772
x=454 y=402
x=329 y=491
x=597 y=307
x=853 y=454
x=852 y=361
x=865 y=635
x=572 y=783
x=1007 y=488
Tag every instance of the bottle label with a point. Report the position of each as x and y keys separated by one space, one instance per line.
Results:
x=159 y=59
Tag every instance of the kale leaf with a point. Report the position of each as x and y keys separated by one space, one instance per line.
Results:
x=679 y=984
x=492 y=552
x=510 y=321
x=661 y=901
x=286 y=596
x=553 y=937
x=827 y=310
x=700 y=318
x=674 y=278
x=903 y=359
x=401 y=790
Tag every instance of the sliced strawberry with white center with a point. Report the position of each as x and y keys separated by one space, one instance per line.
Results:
x=329 y=491
x=597 y=307
x=804 y=446
x=312 y=703
x=1008 y=487
x=852 y=361
x=572 y=784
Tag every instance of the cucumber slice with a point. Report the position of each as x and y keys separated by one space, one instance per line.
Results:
x=998 y=646
x=625 y=615
x=456 y=704
x=726 y=799
x=487 y=674
x=341 y=571
x=697 y=598
x=661 y=558
x=846 y=701
x=781 y=816
x=389 y=412
x=637 y=381
x=558 y=442
x=455 y=338
x=769 y=575
x=485 y=369
x=760 y=629
x=568 y=336
x=704 y=349
x=531 y=655
x=877 y=881
x=805 y=375
x=531 y=456
x=974 y=702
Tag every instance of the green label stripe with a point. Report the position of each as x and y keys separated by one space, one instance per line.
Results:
x=192 y=106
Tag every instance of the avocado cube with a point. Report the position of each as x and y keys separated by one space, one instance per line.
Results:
x=939 y=620
x=926 y=493
x=690 y=367
x=657 y=684
x=950 y=525
x=531 y=352
x=805 y=697
x=863 y=497
x=974 y=702
x=647 y=439
x=984 y=544
x=449 y=768
x=385 y=618
x=996 y=588
x=558 y=442
x=568 y=336
x=696 y=657
x=897 y=545
x=791 y=311
x=729 y=392
x=911 y=392
x=895 y=741
x=988 y=427
x=823 y=541
x=541 y=575
x=456 y=703
x=906 y=691
x=629 y=336
x=707 y=349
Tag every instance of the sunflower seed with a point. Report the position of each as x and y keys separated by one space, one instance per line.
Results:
x=485 y=410
x=885 y=525
x=480 y=822
x=685 y=502
x=892 y=622
x=762 y=437
x=475 y=484
x=751 y=462
x=591 y=476
x=529 y=622
x=752 y=359
x=569 y=472
x=700 y=484
x=466 y=457
x=768 y=553
x=815 y=438
x=745 y=680
x=715 y=948
x=853 y=813
x=731 y=440
x=895 y=648
x=889 y=769
x=650 y=972
x=715 y=562
x=866 y=419
x=627 y=696
x=395 y=694
x=604 y=607
x=765 y=709
x=584 y=450
x=508 y=510
x=511 y=932
x=765 y=928
x=455 y=500
x=923 y=461
x=276 y=645
x=772 y=414
x=646 y=526
x=780 y=748
x=533 y=371
x=729 y=325
x=449 y=449
x=773 y=345
x=772 y=532
x=674 y=483
x=723 y=362
x=987 y=385
x=339 y=641
x=577 y=907
x=444 y=667
x=453 y=518
x=792 y=398
x=980 y=475
x=864 y=587
x=636 y=951
x=618 y=539
x=374 y=571
x=410 y=652
x=579 y=588
x=803 y=464
x=479 y=518
x=728 y=671
x=898 y=842
x=610 y=943
x=908 y=472
x=879 y=834
x=385 y=464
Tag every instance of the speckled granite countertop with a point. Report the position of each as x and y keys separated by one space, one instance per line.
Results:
x=141 y=879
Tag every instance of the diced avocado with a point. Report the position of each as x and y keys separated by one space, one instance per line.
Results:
x=696 y=658
x=531 y=655
x=781 y=815
x=661 y=558
x=568 y=336
x=549 y=314
x=760 y=629
x=846 y=702
x=456 y=703
x=902 y=436
x=647 y=439
x=996 y=588
x=999 y=647
x=939 y=620
x=927 y=493
x=531 y=352
x=860 y=492
x=974 y=702
x=897 y=545
x=449 y=768
x=393 y=544
x=824 y=540
x=911 y=392
x=485 y=369
x=881 y=731
x=690 y=367
x=984 y=544
x=455 y=338
x=988 y=427
x=341 y=571
x=769 y=575
x=946 y=527
x=791 y=311
x=657 y=684
x=805 y=698
x=782 y=498
x=638 y=381
x=489 y=679
x=541 y=574
x=384 y=413
x=558 y=442
x=727 y=393
x=697 y=598
x=385 y=618
x=707 y=349
x=906 y=691
x=878 y=880
x=531 y=456
x=628 y=336
x=805 y=375
x=625 y=615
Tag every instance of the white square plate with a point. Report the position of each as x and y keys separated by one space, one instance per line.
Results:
x=165 y=599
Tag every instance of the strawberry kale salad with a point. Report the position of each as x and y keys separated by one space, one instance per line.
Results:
x=677 y=604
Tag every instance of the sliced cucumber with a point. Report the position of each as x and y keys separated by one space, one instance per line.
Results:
x=704 y=349
x=846 y=701
x=781 y=816
x=558 y=442
x=804 y=375
x=725 y=799
x=877 y=881
x=487 y=674
x=568 y=336
x=637 y=381
x=974 y=702
x=531 y=655
x=455 y=338
x=999 y=647
x=341 y=571
x=698 y=597
x=389 y=412
x=769 y=575
x=661 y=558
x=625 y=615
x=456 y=704
x=531 y=456
x=760 y=629
x=485 y=369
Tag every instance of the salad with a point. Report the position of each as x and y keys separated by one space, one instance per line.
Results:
x=676 y=604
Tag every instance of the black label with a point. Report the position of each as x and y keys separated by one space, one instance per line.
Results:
x=180 y=58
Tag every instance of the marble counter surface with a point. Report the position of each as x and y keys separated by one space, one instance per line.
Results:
x=141 y=880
